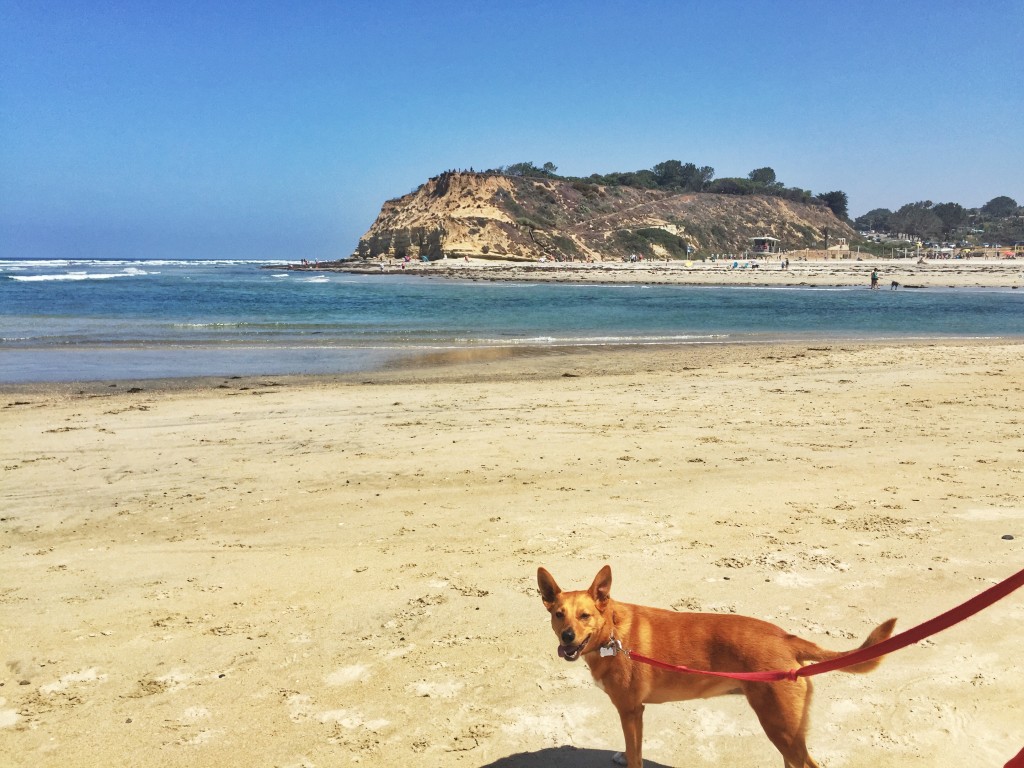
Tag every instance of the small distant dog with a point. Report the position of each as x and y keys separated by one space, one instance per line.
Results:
x=894 y=285
x=589 y=624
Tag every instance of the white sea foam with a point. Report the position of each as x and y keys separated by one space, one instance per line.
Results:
x=69 y=276
x=587 y=341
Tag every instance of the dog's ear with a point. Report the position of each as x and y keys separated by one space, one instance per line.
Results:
x=549 y=589
x=601 y=589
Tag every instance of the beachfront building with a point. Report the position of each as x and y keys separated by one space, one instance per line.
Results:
x=765 y=244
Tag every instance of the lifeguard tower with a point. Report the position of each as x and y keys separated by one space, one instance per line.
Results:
x=763 y=245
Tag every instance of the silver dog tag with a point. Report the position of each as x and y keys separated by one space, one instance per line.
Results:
x=611 y=649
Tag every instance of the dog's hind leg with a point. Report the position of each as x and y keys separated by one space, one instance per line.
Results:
x=782 y=709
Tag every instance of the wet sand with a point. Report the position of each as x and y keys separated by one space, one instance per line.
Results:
x=338 y=570
x=908 y=273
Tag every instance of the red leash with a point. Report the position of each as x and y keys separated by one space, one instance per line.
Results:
x=894 y=643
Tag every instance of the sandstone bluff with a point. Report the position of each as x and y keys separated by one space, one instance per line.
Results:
x=510 y=218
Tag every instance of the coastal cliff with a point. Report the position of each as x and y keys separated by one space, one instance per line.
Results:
x=510 y=218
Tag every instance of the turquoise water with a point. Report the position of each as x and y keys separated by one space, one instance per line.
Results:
x=93 y=320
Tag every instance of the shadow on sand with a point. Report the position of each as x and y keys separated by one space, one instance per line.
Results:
x=562 y=757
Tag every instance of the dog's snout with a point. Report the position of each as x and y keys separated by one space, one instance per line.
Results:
x=568 y=636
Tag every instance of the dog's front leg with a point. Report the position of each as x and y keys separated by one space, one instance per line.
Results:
x=633 y=731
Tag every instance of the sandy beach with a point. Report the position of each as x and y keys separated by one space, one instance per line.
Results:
x=310 y=572
x=852 y=271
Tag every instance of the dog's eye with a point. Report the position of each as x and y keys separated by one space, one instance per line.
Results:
x=584 y=616
x=559 y=614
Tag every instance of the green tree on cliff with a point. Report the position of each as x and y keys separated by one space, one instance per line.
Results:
x=529 y=169
x=837 y=201
x=764 y=176
x=672 y=174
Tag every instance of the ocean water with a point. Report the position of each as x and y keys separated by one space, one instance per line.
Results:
x=104 y=319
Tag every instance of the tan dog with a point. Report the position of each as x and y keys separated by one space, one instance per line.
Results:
x=591 y=625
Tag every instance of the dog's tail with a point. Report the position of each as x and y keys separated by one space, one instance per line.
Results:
x=807 y=652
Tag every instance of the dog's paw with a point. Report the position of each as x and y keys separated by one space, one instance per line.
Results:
x=619 y=758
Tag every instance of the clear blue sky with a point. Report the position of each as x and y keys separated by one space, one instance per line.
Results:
x=276 y=130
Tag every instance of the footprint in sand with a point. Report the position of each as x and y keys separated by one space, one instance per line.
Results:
x=198 y=739
x=175 y=680
x=65 y=681
x=194 y=715
x=351 y=720
x=347 y=675
x=8 y=717
x=447 y=689
x=300 y=707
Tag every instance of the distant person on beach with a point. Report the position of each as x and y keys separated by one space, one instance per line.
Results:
x=874 y=278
